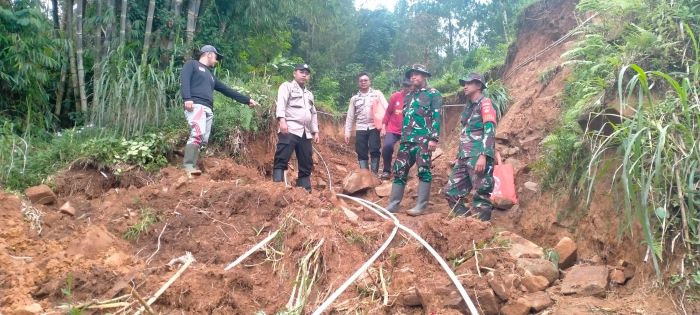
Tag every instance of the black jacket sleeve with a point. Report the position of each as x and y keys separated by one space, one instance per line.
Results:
x=185 y=78
x=225 y=90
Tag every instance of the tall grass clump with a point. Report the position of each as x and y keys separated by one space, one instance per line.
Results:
x=653 y=153
x=660 y=148
x=132 y=96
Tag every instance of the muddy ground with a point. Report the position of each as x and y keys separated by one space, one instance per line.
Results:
x=87 y=256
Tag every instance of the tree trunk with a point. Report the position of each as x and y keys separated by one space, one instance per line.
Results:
x=451 y=30
x=122 y=31
x=98 y=54
x=147 y=36
x=174 y=27
x=60 y=93
x=79 y=55
x=192 y=13
x=109 y=20
x=71 y=49
x=505 y=22
x=54 y=13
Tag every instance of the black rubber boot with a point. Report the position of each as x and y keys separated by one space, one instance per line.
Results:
x=483 y=214
x=395 y=197
x=190 y=160
x=422 y=200
x=304 y=182
x=277 y=175
x=364 y=164
x=458 y=210
x=375 y=165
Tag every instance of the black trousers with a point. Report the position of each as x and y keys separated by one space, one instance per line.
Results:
x=286 y=144
x=367 y=141
x=388 y=149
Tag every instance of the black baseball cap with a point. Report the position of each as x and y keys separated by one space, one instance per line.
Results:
x=302 y=66
x=210 y=48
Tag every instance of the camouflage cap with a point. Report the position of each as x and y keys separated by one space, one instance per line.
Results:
x=417 y=68
x=473 y=77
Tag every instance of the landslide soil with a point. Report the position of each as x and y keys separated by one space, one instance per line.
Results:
x=233 y=205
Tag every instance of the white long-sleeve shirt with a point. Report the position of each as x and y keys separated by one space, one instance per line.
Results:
x=360 y=110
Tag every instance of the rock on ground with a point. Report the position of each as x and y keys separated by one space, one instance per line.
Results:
x=67 y=208
x=567 y=251
x=358 y=180
x=585 y=281
x=384 y=189
x=488 y=302
x=535 y=283
x=41 y=194
x=411 y=297
x=538 y=301
x=539 y=267
x=617 y=276
x=521 y=247
x=517 y=307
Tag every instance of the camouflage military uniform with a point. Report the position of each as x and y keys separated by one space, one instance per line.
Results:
x=421 y=124
x=477 y=137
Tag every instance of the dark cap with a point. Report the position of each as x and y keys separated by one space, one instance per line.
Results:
x=473 y=77
x=417 y=68
x=210 y=48
x=302 y=66
x=406 y=82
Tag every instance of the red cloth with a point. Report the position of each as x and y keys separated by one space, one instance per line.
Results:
x=393 y=119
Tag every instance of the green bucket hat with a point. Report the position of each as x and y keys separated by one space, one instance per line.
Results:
x=417 y=68
x=473 y=77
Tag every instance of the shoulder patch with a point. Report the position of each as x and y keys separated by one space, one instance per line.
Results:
x=488 y=113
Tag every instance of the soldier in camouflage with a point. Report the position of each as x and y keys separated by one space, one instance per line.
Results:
x=419 y=138
x=474 y=166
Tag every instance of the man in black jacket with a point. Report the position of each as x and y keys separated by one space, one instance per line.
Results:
x=197 y=88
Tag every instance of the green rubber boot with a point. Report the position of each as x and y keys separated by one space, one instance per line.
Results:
x=190 y=160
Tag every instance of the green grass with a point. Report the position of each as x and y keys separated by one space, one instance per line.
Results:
x=146 y=220
x=356 y=238
x=653 y=154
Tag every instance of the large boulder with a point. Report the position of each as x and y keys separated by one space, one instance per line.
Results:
x=521 y=247
x=41 y=194
x=585 y=281
x=359 y=180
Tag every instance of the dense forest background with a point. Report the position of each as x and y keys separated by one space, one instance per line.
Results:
x=115 y=63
